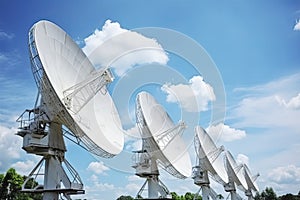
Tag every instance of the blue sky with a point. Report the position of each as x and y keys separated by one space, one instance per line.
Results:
x=254 y=45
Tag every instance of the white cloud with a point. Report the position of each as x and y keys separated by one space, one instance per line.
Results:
x=109 y=30
x=24 y=167
x=133 y=139
x=15 y=96
x=193 y=97
x=286 y=174
x=104 y=186
x=134 y=178
x=265 y=107
x=297 y=25
x=94 y=178
x=293 y=103
x=103 y=190
x=98 y=190
x=98 y=186
x=133 y=132
x=122 y=49
x=269 y=114
x=283 y=179
x=242 y=159
x=225 y=133
x=10 y=59
x=10 y=146
x=134 y=145
x=12 y=154
x=97 y=167
x=132 y=187
x=4 y=35
x=284 y=86
x=3 y=58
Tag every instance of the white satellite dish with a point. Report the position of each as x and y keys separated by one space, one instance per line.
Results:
x=250 y=180
x=73 y=94
x=162 y=144
x=69 y=85
x=235 y=172
x=211 y=162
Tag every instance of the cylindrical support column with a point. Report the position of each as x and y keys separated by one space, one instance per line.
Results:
x=205 y=193
x=51 y=178
x=152 y=188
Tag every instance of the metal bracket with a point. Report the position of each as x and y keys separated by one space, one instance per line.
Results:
x=77 y=96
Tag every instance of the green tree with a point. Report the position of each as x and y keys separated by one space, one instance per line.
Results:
x=287 y=197
x=1 y=179
x=1 y=183
x=125 y=198
x=188 y=196
x=257 y=196
x=267 y=194
x=11 y=184
x=175 y=196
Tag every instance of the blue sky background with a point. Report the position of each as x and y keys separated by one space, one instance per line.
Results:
x=253 y=43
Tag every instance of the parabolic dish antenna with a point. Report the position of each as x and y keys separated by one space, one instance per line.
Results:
x=71 y=94
x=162 y=143
x=235 y=172
x=250 y=179
x=211 y=160
x=210 y=153
x=69 y=85
x=207 y=154
x=171 y=152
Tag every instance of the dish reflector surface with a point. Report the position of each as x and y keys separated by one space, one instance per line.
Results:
x=250 y=182
x=58 y=64
x=173 y=156
x=208 y=154
x=236 y=171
